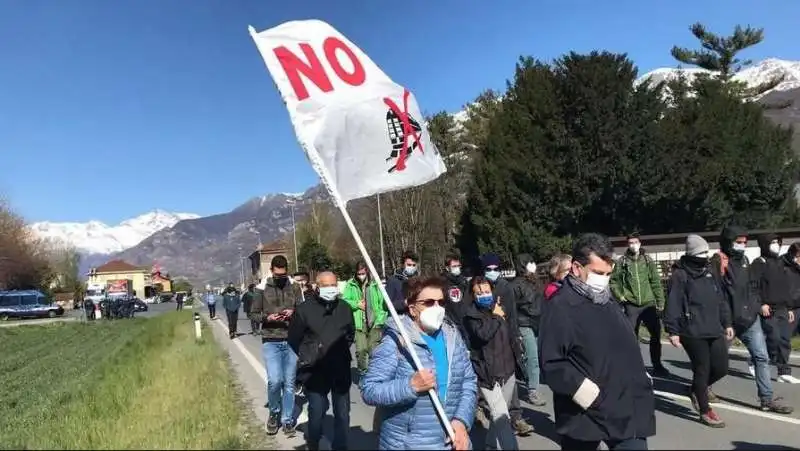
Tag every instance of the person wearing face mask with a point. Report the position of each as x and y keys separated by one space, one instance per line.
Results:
x=698 y=319
x=504 y=293
x=792 y=261
x=458 y=294
x=528 y=296
x=558 y=268
x=591 y=360
x=496 y=353
x=321 y=333
x=301 y=279
x=636 y=285
x=732 y=269
x=397 y=283
x=399 y=391
x=273 y=306
x=772 y=277
x=364 y=297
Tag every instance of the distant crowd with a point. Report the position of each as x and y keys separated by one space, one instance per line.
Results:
x=485 y=342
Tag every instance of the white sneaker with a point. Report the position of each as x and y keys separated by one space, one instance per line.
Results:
x=752 y=370
x=788 y=379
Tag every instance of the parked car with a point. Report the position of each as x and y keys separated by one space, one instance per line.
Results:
x=27 y=304
x=139 y=305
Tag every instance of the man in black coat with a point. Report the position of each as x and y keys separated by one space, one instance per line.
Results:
x=459 y=296
x=321 y=333
x=591 y=360
x=528 y=296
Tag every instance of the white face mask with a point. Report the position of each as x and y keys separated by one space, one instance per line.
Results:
x=455 y=270
x=410 y=270
x=635 y=247
x=431 y=318
x=362 y=277
x=739 y=247
x=775 y=248
x=530 y=267
x=702 y=255
x=597 y=282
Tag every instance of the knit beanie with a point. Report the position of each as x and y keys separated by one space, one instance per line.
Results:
x=696 y=245
x=490 y=259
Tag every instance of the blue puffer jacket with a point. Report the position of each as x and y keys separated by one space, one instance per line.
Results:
x=409 y=420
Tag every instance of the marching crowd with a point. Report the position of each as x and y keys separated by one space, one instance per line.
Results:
x=484 y=342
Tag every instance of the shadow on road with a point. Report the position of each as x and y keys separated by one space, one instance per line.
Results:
x=746 y=358
x=676 y=410
x=731 y=371
x=761 y=446
x=357 y=438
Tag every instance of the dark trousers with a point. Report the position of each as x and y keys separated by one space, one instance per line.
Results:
x=317 y=407
x=709 y=359
x=569 y=444
x=778 y=332
x=179 y=305
x=212 y=310
x=233 y=320
x=648 y=316
x=255 y=326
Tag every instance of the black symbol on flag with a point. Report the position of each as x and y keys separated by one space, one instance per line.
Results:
x=402 y=128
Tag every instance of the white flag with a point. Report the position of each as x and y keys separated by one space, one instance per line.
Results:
x=363 y=133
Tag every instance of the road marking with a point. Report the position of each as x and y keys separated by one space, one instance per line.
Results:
x=740 y=351
x=256 y=364
x=732 y=408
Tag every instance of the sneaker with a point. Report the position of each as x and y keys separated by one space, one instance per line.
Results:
x=776 y=405
x=712 y=419
x=522 y=428
x=660 y=371
x=712 y=397
x=752 y=370
x=289 y=430
x=788 y=379
x=273 y=424
x=535 y=400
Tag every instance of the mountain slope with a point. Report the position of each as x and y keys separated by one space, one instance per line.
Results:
x=95 y=237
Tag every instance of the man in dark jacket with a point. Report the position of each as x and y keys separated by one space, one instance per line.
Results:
x=587 y=348
x=321 y=333
x=503 y=292
x=771 y=275
x=459 y=296
x=528 y=296
x=273 y=306
x=301 y=279
x=397 y=283
x=247 y=303
x=231 y=303
x=636 y=285
x=732 y=269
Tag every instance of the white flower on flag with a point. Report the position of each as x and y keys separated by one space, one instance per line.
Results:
x=361 y=131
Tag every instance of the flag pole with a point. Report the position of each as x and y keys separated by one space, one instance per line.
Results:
x=437 y=404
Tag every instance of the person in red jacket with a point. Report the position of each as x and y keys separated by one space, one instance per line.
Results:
x=559 y=268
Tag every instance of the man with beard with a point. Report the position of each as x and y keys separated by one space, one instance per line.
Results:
x=458 y=292
x=732 y=269
x=528 y=299
x=273 y=305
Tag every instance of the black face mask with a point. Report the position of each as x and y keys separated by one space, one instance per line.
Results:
x=280 y=279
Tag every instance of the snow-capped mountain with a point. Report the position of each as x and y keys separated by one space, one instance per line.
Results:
x=754 y=75
x=95 y=237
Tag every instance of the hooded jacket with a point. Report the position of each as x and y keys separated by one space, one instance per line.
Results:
x=354 y=292
x=396 y=285
x=697 y=306
x=635 y=280
x=458 y=295
x=793 y=274
x=527 y=295
x=732 y=269
x=770 y=276
x=495 y=350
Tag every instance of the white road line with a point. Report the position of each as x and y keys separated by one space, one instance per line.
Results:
x=741 y=351
x=732 y=408
x=256 y=364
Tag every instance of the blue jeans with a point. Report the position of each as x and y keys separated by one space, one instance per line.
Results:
x=281 y=365
x=756 y=344
x=318 y=407
x=532 y=353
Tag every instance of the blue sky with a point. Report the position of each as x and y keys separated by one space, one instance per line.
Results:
x=109 y=109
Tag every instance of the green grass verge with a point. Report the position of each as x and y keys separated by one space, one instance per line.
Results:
x=129 y=384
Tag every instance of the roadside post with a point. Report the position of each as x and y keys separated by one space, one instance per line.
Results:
x=198 y=332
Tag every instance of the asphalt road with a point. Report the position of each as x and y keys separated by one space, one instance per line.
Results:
x=77 y=315
x=677 y=425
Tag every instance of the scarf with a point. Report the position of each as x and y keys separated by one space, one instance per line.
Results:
x=598 y=297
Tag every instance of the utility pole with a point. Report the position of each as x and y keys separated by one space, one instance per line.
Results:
x=294 y=236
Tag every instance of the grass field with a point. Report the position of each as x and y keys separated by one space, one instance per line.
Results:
x=143 y=383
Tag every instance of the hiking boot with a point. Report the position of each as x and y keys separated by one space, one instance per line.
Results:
x=788 y=379
x=712 y=397
x=535 y=400
x=712 y=419
x=522 y=428
x=660 y=371
x=776 y=405
x=273 y=424
x=289 y=430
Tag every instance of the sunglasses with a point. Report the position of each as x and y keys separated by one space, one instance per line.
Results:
x=430 y=302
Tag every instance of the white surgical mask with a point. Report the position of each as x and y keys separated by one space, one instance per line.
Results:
x=775 y=248
x=635 y=248
x=328 y=293
x=702 y=255
x=492 y=275
x=431 y=318
x=362 y=277
x=455 y=270
x=410 y=270
x=739 y=247
x=597 y=282
x=530 y=267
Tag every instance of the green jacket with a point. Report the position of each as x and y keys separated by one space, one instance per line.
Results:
x=635 y=280
x=353 y=294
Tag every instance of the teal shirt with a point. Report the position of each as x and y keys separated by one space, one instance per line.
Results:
x=438 y=347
